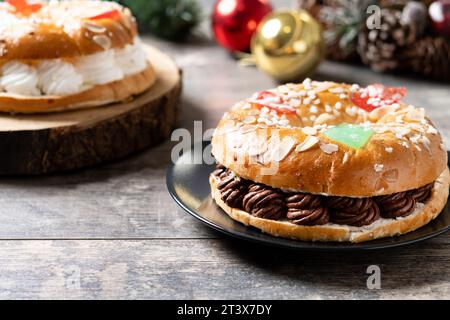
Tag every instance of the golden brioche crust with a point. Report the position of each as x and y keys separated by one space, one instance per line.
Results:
x=46 y=35
x=99 y=95
x=405 y=152
x=339 y=233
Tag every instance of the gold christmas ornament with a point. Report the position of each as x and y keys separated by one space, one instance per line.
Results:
x=288 y=45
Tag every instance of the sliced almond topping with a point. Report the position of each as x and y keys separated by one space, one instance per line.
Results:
x=381 y=129
x=389 y=149
x=400 y=119
x=416 y=115
x=416 y=127
x=247 y=128
x=258 y=147
x=234 y=140
x=324 y=86
x=415 y=138
x=432 y=130
x=227 y=127
x=262 y=158
x=128 y=22
x=285 y=147
x=95 y=28
x=329 y=148
x=103 y=41
x=228 y=124
x=307 y=144
x=310 y=131
x=337 y=90
x=378 y=113
x=378 y=167
x=426 y=143
x=249 y=120
x=402 y=131
x=323 y=118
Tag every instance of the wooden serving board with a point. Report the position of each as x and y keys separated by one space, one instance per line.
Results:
x=37 y=144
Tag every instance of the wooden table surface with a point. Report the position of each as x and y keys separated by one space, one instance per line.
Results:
x=114 y=231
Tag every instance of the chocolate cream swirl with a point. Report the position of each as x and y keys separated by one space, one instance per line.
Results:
x=422 y=194
x=306 y=209
x=396 y=205
x=264 y=202
x=232 y=189
x=356 y=212
x=403 y=204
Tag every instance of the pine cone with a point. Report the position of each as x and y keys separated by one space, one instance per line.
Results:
x=341 y=21
x=335 y=52
x=431 y=57
x=312 y=6
x=383 y=48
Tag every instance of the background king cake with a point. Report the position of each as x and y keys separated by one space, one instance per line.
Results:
x=78 y=86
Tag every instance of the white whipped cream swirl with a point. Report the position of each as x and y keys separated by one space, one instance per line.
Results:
x=132 y=59
x=58 y=77
x=20 y=79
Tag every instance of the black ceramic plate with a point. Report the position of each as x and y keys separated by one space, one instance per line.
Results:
x=189 y=186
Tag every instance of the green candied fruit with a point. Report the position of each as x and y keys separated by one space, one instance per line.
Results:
x=352 y=135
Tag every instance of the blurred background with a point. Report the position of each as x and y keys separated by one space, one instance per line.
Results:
x=211 y=42
x=388 y=36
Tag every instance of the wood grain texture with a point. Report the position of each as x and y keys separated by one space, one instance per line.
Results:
x=155 y=250
x=125 y=199
x=214 y=269
x=36 y=144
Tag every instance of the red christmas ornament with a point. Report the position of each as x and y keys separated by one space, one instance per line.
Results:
x=235 y=21
x=440 y=16
x=377 y=95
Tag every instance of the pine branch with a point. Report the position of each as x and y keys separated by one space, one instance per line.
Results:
x=170 y=19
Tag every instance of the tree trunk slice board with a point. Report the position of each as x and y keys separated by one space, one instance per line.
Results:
x=39 y=144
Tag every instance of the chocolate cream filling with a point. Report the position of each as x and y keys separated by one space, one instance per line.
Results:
x=307 y=209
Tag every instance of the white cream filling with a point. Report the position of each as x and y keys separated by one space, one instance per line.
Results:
x=131 y=60
x=57 y=77
x=19 y=78
x=99 y=68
